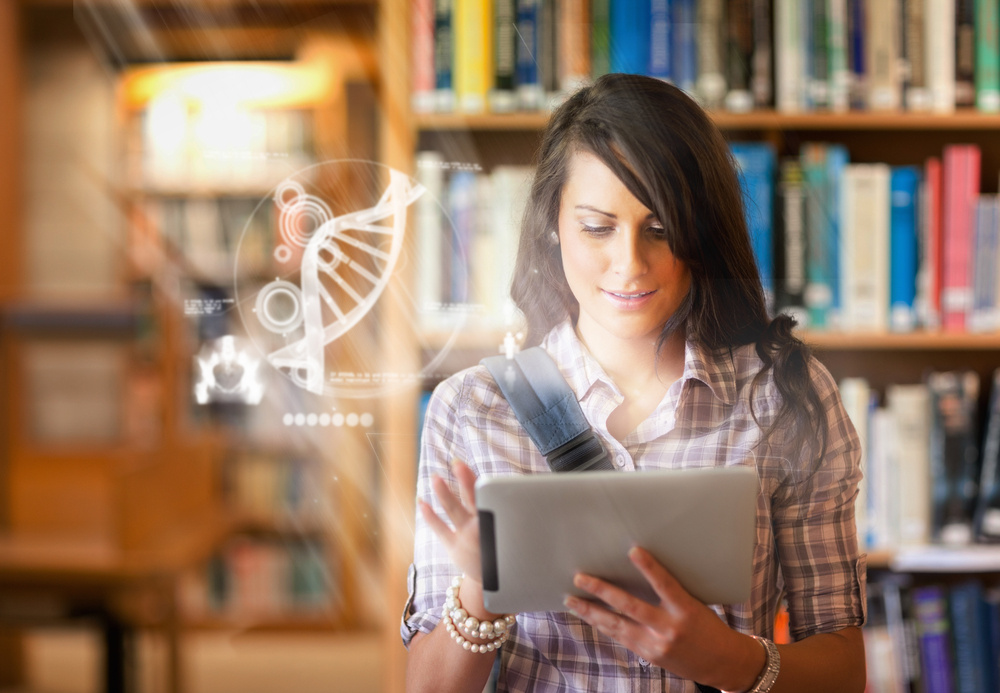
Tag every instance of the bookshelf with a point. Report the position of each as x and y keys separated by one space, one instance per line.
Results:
x=896 y=137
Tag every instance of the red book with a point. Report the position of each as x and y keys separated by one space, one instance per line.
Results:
x=933 y=239
x=961 y=187
x=422 y=65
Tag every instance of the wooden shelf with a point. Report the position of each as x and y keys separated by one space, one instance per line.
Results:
x=966 y=119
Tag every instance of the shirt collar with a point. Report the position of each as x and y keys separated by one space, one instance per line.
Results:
x=582 y=370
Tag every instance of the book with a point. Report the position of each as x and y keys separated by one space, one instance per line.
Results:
x=953 y=454
x=574 y=44
x=511 y=185
x=837 y=159
x=856 y=395
x=462 y=210
x=791 y=258
x=916 y=97
x=838 y=70
x=883 y=480
x=422 y=60
x=600 y=37
x=739 y=47
x=473 y=66
x=960 y=179
x=987 y=519
x=910 y=409
x=444 y=56
x=987 y=55
x=789 y=56
x=970 y=637
x=685 y=53
x=660 y=39
x=881 y=653
x=864 y=267
x=884 y=87
x=930 y=607
x=930 y=272
x=711 y=83
x=986 y=224
x=530 y=91
x=857 y=61
x=548 y=53
x=903 y=248
x=965 y=53
x=939 y=34
x=756 y=166
x=816 y=53
x=503 y=95
x=430 y=230
x=816 y=187
x=761 y=81
x=629 y=45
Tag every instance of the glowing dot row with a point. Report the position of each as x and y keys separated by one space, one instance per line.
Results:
x=336 y=419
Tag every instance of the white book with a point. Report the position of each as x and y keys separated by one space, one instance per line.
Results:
x=856 y=395
x=883 y=56
x=789 y=56
x=430 y=231
x=864 y=247
x=911 y=411
x=883 y=469
x=484 y=257
x=939 y=17
x=511 y=185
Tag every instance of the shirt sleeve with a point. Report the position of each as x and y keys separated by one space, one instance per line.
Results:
x=432 y=570
x=815 y=528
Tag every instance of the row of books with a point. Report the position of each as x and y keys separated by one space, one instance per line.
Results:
x=794 y=55
x=261 y=578
x=934 y=638
x=467 y=226
x=218 y=148
x=930 y=476
x=265 y=487
x=205 y=235
x=874 y=247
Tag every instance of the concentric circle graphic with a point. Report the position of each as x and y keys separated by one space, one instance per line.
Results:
x=312 y=280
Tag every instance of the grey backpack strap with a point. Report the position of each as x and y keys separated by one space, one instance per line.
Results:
x=548 y=410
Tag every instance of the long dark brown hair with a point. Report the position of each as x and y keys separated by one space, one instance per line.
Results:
x=672 y=158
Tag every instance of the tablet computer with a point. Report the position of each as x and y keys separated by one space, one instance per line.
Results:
x=538 y=530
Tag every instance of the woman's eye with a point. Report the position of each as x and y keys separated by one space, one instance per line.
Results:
x=597 y=230
x=657 y=232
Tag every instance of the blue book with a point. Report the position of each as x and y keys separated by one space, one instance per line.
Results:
x=462 y=209
x=819 y=260
x=856 y=37
x=685 y=44
x=756 y=162
x=660 y=39
x=630 y=36
x=837 y=158
x=984 y=253
x=444 y=55
x=904 y=182
x=970 y=636
x=930 y=605
x=530 y=93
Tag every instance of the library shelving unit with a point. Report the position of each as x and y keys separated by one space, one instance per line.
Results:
x=883 y=358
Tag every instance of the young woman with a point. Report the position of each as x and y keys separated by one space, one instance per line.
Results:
x=635 y=272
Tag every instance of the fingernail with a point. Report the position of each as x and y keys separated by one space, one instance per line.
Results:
x=580 y=580
x=634 y=554
x=572 y=604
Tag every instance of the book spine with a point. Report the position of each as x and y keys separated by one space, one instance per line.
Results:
x=685 y=67
x=904 y=248
x=961 y=186
x=461 y=201
x=430 y=235
x=444 y=55
x=910 y=407
x=600 y=38
x=933 y=241
x=930 y=605
x=939 y=33
x=819 y=292
x=987 y=72
x=630 y=36
x=530 y=94
x=865 y=247
x=574 y=44
x=857 y=39
x=984 y=254
x=987 y=524
x=968 y=631
x=789 y=49
x=503 y=97
x=548 y=52
x=739 y=46
x=817 y=78
x=762 y=80
x=711 y=84
x=884 y=89
x=916 y=96
x=856 y=394
x=837 y=158
x=839 y=76
x=422 y=37
x=473 y=54
x=660 y=40
x=965 y=53
x=793 y=246
x=756 y=163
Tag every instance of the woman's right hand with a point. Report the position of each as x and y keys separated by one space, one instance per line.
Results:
x=462 y=542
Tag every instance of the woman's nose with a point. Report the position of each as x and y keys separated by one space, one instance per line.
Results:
x=630 y=258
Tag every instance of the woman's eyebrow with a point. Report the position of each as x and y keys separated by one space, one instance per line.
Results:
x=607 y=214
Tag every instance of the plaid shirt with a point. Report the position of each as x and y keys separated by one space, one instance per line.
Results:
x=805 y=548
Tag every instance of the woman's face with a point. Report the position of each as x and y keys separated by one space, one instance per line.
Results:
x=616 y=257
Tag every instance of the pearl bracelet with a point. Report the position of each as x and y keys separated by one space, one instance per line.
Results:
x=457 y=621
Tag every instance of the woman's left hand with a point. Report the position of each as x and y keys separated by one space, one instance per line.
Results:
x=680 y=634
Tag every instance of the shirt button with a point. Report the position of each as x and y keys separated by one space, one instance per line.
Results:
x=619 y=460
x=643 y=662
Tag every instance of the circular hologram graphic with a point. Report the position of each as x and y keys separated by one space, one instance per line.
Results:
x=279 y=307
x=319 y=281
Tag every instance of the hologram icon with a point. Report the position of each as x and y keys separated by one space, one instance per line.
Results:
x=227 y=373
x=346 y=264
